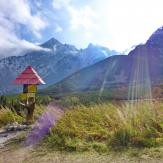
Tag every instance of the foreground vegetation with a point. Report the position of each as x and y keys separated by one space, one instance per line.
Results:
x=11 y=111
x=105 y=127
x=97 y=124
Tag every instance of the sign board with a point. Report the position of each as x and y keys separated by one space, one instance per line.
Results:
x=23 y=96
x=31 y=95
x=32 y=88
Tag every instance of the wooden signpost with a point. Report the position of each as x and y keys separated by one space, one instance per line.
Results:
x=29 y=79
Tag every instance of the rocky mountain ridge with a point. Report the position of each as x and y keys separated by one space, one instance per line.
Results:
x=54 y=65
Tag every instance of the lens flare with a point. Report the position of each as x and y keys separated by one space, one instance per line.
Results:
x=140 y=83
x=46 y=121
x=111 y=68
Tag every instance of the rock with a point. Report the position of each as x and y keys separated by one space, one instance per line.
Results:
x=16 y=127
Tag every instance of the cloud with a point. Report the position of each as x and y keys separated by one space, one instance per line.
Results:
x=58 y=4
x=10 y=45
x=113 y=23
x=79 y=17
x=19 y=12
x=58 y=29
x=131 y=22
x=117 y=24
x=82 y=18
x=14 y=14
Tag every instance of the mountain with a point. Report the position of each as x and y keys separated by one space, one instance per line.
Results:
x=133 y=75
x=54 y=65
x=95 y=53
x=156 y=39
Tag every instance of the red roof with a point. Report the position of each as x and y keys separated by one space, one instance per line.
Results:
x=28 y=76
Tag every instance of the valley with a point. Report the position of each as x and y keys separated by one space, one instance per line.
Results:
x=94 y=107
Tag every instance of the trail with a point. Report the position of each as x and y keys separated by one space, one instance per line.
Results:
x=6 y=136
x=57 y=110
x=44 y=123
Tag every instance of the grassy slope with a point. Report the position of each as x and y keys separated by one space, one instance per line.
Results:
x=102 y=127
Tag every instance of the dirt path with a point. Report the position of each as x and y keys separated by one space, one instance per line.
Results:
x=5 y=136
x=57 y=110
x=31 y=155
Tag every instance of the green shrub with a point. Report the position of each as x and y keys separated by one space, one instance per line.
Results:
x=144 y=142
x=7 y=116
x=72 y=145
x=122 y=137
x=100 y=147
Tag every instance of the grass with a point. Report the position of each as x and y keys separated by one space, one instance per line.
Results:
x=7 y=116
x=95 y=124
x=100 y=131
x=11 y=111
x=12 y=101
x=105 y=127
x=40 y=155
x=72 y=100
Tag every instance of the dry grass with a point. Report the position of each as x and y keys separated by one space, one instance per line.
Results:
x=7 y=116
x=106 y=126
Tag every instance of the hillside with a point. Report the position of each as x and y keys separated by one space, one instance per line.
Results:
x=133 y=74
x=54 y=65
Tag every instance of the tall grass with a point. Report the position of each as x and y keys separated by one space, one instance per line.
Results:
x=7 y=116
x=11 y=111
x=108 y=126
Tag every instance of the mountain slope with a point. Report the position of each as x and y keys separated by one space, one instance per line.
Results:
x=135 y=72
x=53 y=65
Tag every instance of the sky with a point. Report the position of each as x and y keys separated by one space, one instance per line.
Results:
x=116 y=24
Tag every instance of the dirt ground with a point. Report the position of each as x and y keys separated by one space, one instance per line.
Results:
x=23 y=154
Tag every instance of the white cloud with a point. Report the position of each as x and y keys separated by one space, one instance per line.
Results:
x=117 y=24
x=83 y=17
x=58 y=29
x=18 y=11
x=131 y=22
x=12 y=14
x=10 y=45
x=58 y=4
x=80 y=17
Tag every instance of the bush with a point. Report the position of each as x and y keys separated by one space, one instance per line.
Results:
x=7 y=116
x=122 y=137
x=144 y=142
x=100 y=147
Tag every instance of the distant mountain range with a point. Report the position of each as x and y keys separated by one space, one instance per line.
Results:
x=53 y=66
x=134 y=73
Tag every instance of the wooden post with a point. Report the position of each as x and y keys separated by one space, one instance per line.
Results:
x=28 y=101
x=30 y=111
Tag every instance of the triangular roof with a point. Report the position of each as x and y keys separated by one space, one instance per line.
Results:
x=28 y=76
